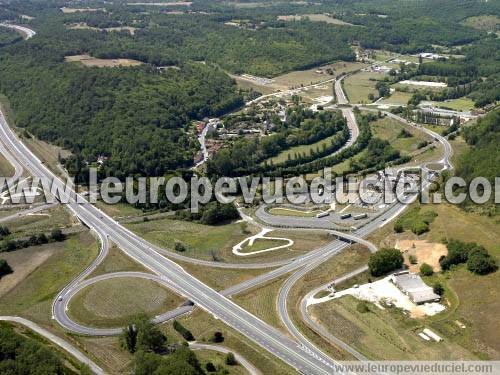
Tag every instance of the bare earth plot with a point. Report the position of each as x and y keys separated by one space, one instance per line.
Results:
x=101 y=63
x=316 y=18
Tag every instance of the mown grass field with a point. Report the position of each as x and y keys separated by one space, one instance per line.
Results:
x=358 y=86
x=397 y=97
x=460 y=104
x=6 y=169
x=113 y=302
x=283 y=156
x=214 y=243
x=291 y=212
x=117 y=261
x=262 y=244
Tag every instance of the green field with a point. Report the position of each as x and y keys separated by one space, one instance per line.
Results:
x=201 y=241
x=113 y=302
x=390 y=129
x=300 y=150
x=461 y=104
x=117 y=261
x=56 y=217
x=397 y=97
x=262 y=244
x=358 y=86
x=291 y=212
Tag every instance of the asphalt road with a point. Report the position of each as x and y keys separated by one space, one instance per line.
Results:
x=27 y=33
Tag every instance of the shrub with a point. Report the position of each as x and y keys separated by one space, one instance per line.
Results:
x=57 y=235
x=420 y=227
x=210 y=367
x=4 y=268
x=481 y=263
x=426 y=270
x=179 y=246
x=217 y=337
x=438 y=288
x=185 y=333
x=384 y=261
x=413 y=259
x=230 y=359
x=398 y=227
x=362 y=307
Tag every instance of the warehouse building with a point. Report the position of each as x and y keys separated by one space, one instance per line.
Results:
x=414 y=287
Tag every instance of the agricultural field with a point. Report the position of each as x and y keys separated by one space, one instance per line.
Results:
x=460 y=104
x=396 y=98
x=113 y=302
x=358 y=86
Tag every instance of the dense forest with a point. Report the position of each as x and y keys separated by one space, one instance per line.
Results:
x=22 y=355
x=483 y=158
x=138 y=118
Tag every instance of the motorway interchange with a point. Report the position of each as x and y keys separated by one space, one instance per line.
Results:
x=298 y=352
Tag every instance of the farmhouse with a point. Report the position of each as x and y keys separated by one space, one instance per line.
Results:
x=413 y=286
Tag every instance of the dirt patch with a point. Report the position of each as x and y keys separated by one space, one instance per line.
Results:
x=101 y=63
x=423 y=251
x=23 y=262
x=76 y=10
x=84 y=26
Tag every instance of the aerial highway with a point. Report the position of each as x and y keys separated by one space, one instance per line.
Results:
x=183 y=283
x=299 y=354
x=25 y=31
